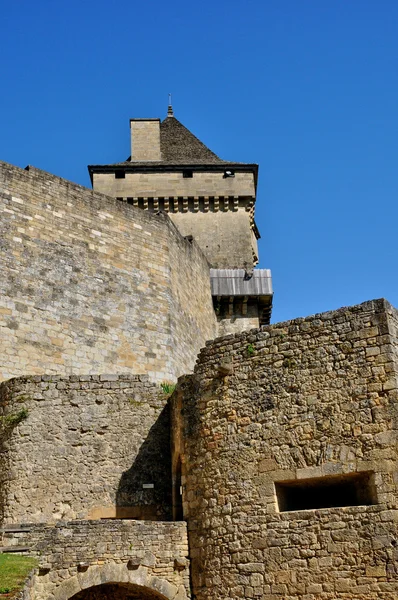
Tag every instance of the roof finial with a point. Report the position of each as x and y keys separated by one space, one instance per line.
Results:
x=170 y=108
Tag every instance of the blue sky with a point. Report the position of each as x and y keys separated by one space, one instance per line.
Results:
x=306 y=88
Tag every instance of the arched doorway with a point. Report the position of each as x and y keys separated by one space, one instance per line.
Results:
x=118 y=591
x=118 y=581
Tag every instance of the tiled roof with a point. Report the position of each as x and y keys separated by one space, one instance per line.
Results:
x=236 y=282
x=178 y=144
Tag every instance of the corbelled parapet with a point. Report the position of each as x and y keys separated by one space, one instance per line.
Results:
x=285 y=444
x=208 y=198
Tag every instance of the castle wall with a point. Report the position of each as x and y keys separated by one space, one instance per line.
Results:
x=225 y=237
x=148 y=558
x=309 y=400
x=173 y=183
x=84 y=447
x=87 y=284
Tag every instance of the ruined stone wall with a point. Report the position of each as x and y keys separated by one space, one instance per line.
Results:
x=393 y=329
x=84 y=447
x=308 y=400
x=86 y=283
x=75 y=556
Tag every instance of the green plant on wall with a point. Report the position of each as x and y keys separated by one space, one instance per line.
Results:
x=13 y=419
x=167 y=387
x=250 y=349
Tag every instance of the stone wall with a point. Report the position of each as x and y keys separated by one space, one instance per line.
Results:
x=84 y=447
x=309 y=400
x=173 y=183
x=150 y=558
x=221 y=227
x=224 y=237
x=237 y=322
x=86 y=284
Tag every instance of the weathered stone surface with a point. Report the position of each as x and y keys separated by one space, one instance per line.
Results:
x=307 y=401
x=109 y=287
x=93 y=285
x=222 y=227
x=107 y=547
x=88 y=447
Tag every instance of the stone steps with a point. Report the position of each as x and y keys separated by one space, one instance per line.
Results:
x=8 y=549
x=13 y=537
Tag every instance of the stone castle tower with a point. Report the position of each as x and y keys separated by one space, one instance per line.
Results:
x=269 y=472
x=209 y=199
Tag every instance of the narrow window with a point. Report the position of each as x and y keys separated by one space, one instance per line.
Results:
x=353 y=489
x=120 y=175
x=177 y=493
x=187 y=173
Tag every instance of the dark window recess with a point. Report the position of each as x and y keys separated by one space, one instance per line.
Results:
x=120 y=175
x=187 y=173
x=354 y=489
x=229 y=173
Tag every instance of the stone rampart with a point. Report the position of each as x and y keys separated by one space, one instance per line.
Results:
x=93 y=285
x=288 y=446
x=148 y=558
x=84 y=447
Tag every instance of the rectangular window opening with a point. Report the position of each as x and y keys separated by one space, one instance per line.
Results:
x=187 y=173
x=120 y=175
x=353 y=489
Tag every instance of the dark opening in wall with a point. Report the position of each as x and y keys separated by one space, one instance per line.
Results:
x=177 y=495
x=187 y=173
x=120 y=175
x=353 y=489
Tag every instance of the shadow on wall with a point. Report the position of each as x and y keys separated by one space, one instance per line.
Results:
x=7 y=423
x=144 y=490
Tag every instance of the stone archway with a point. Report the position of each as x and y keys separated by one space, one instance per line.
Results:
x=97 y=583
x=118 y=591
